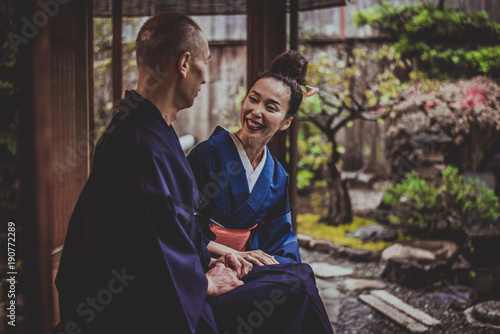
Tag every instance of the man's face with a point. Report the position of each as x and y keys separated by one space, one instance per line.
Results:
x=196 y=74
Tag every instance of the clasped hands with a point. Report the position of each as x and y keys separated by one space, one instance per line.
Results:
x=226 y=272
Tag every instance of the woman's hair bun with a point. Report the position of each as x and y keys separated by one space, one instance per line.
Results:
x=291 y=64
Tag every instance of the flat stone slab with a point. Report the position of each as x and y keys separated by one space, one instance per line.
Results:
x=325 y=270
x=486 y=314
x=333 y=310
x=415 y=320
x=324 y=284
x=406 y=308
x=399 y=317
x=330 y=293
x=356 y=284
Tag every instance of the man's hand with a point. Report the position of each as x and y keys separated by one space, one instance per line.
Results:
x=233 y=260
x=258 y=257
x=221 y=279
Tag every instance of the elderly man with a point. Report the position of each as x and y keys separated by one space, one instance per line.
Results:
x=135 y=257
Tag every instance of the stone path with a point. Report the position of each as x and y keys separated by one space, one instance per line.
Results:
x=342 y=284
x=333 y=282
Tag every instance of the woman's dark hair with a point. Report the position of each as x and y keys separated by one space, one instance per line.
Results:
x=290 y=68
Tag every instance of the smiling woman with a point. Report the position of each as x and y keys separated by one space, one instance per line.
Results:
x=248 y=208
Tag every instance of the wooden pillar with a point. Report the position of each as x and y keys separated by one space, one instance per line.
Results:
x=34 y=228
x=294 y=127
x=266 y=38
x=117 y=52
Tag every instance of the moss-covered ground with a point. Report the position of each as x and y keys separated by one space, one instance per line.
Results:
x=307 y=224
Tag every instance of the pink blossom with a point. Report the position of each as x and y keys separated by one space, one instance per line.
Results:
x=429 y=104
x=475 y=95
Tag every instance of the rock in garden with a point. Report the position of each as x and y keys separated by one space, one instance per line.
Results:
x=418 y=263
x=401 y=251
x=449 y=299
x=374 y=233
x=360 y=255
x=421 y=250
x=325 y=270
x=322 y=246
x=461 y=264
x=414 y=273
x=486 y=314
x=304 y=240
x=360 y=284
x=444 y=249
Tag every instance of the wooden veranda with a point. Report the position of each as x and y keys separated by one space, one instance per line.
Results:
x=57 y=133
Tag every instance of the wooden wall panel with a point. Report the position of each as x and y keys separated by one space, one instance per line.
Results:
x=70 y=145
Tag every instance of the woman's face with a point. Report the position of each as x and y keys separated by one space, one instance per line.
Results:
x=264 y=110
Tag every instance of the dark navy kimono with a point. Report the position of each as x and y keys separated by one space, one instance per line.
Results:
x=134 y=259
x=225 y=196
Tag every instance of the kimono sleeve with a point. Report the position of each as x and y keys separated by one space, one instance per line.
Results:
x=276 y=237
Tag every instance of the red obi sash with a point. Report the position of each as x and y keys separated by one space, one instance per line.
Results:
x=234 y=238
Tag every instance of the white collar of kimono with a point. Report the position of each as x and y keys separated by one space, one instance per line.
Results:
x=252 y=174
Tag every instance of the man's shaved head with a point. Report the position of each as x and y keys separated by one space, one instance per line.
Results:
x=165 y=37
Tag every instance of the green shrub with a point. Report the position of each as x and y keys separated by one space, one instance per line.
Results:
x=314 y=151
x=447 y=204
x=446 y=41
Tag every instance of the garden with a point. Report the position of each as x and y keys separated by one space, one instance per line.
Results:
x=426 y=229
x=399 y=159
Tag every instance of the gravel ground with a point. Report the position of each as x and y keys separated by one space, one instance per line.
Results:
x=357 y=317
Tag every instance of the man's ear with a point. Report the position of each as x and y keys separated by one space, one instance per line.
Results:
x=286 y=123
x=184 y=63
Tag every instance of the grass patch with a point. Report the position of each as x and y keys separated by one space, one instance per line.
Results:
x=307 y=224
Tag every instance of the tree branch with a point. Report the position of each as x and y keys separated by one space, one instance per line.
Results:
x=342 y=123
x=313 y=118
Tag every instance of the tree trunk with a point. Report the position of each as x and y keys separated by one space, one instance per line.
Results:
x=441 y=4
x=339 y=208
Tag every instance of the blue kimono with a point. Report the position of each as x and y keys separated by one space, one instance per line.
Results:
x=225 y=196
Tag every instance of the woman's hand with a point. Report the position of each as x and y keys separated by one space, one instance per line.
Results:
x=258 y=257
